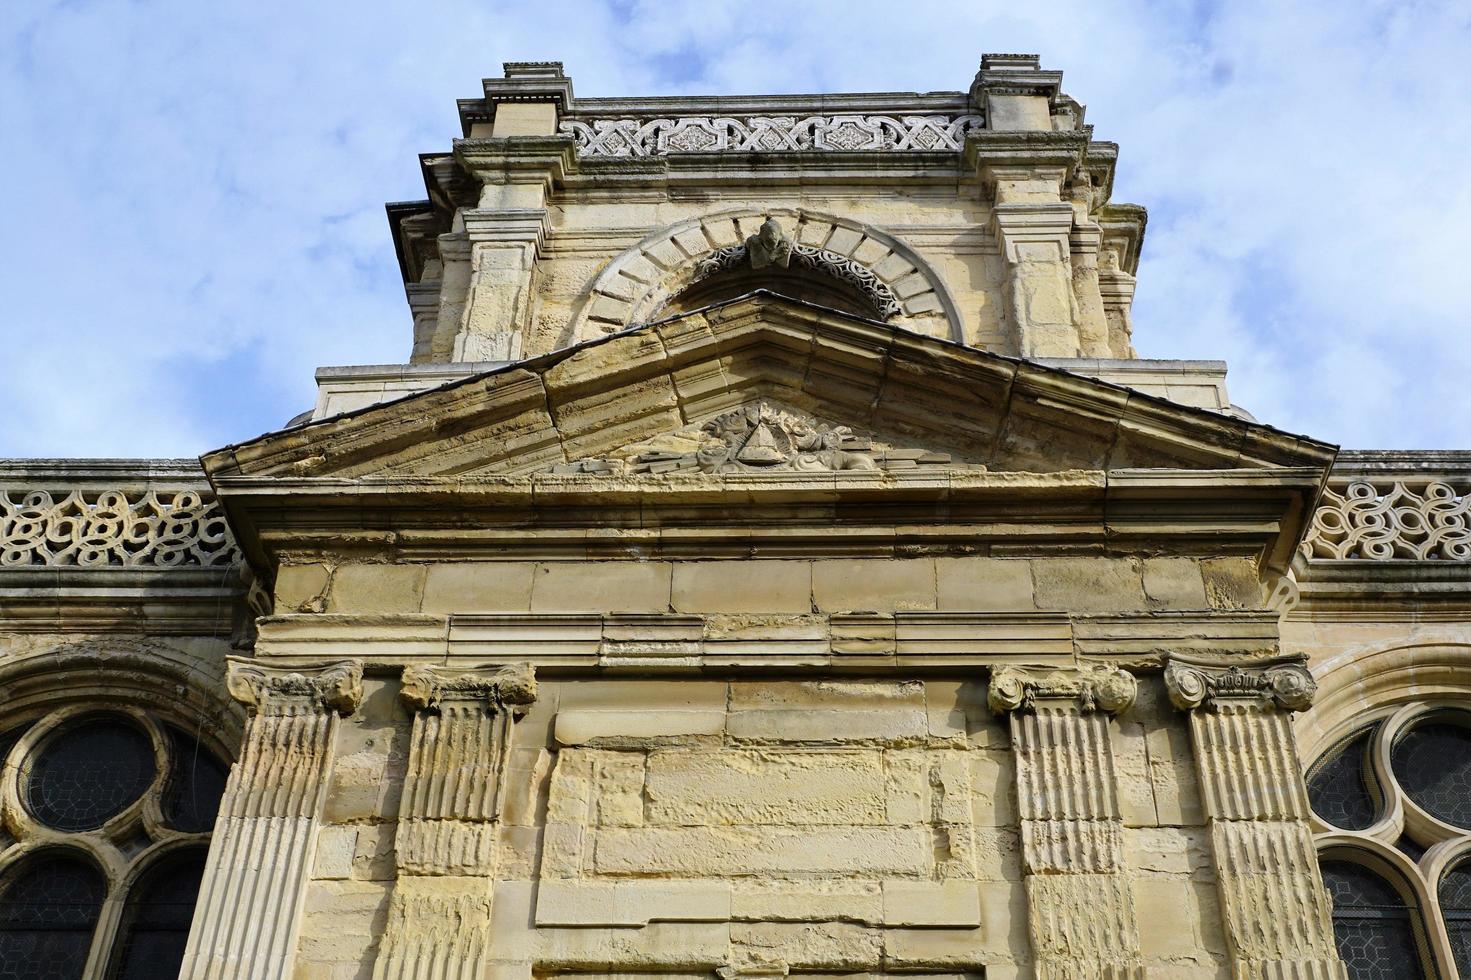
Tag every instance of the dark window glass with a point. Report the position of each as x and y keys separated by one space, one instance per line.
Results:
x=1414 y=851
x=1371 y=924
x=156 y=921
x=1433 y=765
x=1455 y=904
x=196 y=782
x=1338 y=786
x=47 y=913
x=88 y=773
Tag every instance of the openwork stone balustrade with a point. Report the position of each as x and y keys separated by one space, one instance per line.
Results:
x=1385 y=519
x=138 y=526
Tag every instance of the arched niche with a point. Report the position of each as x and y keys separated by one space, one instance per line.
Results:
x=860 y=270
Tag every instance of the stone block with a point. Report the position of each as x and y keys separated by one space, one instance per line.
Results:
x=694 y=852
x=1089 y=585
x=631 y=903
x=302 y=588
x=1232 y=583
x=525 y=119
x=766 y=787
x=810 y=945
x=651 y=697
x=635 y=727
x=989 y=584
x=471 y=587
x=1173 y=583
x=1011 y=113
x=873 y=585
x=953 y=904
x=807 y=901
x=912 y=950
x=827 y=695
x=377 y=589
x=335 y=849
x=895 y=726
x=742 y=587
x=1172 y=776
x=601 y=587
x=657 y=947
x=993 y=776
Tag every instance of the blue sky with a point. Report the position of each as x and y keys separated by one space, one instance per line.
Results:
x=194 y=219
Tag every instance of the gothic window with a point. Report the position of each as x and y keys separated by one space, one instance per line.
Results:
x=1371 y=924
x=1455 y=905
x=1396 y=801
x=1339 y=785
x=120 y=784
x=156 y=921
x=49 y=906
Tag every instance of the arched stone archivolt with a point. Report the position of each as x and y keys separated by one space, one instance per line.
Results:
x=640 y=282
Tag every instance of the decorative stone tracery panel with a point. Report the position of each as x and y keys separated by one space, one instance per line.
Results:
x=770 y=134
x=637 y=285
x=1392 y=520
x=128 y=528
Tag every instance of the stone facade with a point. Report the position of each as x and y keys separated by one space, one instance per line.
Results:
x=774 y=559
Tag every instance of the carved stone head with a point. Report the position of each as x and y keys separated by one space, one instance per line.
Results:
x=769 y=246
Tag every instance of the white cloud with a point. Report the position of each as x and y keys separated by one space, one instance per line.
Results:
x=195 y=216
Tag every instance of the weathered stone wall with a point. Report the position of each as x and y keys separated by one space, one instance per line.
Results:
x=752 y=822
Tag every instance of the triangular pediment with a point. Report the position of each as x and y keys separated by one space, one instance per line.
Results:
x=765 y=385
x=764 y=436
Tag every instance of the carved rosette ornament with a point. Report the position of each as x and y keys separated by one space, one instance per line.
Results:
x=1277 y=915
x=1081 y=901
x=256 y=874
x=459 y=753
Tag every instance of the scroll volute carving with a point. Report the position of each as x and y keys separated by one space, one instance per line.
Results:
x=511 y=687
x=1211 y=683
x=336 y=687
x=1091 y=688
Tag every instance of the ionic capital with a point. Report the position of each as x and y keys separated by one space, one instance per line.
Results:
x=1198 y=682
x=334 y=687
x=425 y=687
x=1089 y=687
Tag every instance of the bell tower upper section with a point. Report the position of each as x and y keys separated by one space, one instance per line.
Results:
x=981 y=216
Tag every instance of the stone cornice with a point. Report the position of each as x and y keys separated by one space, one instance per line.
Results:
x=426 y=687
x=1086 y=687
x=334 y=687
x=1212 y=683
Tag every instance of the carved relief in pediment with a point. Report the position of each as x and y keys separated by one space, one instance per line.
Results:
x=761 y=437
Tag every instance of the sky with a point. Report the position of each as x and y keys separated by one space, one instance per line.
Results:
x=194 y=217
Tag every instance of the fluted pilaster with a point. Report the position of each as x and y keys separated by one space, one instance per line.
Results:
x=439 y=917
x=1277 y=916
x=1080 y=901
x=250 y=901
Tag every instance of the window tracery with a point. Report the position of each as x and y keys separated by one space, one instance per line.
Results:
x=1392 y=808
x=108 y=818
